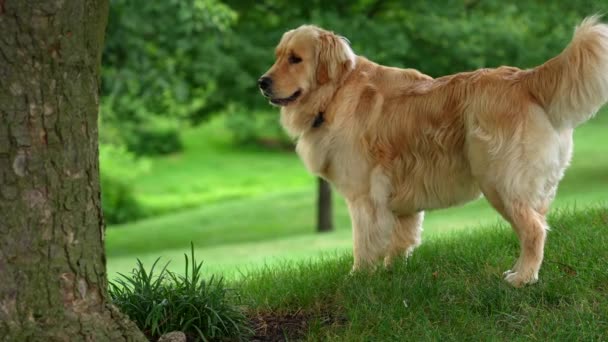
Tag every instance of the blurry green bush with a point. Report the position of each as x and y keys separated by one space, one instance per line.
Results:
x=256 y=127
x=161 y=62
x=118 y=168
x=144 y=133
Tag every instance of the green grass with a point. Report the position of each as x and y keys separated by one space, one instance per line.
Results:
x=212 y=170
x=451 y=289
x=246 y=207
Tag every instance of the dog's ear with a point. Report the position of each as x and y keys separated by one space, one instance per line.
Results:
x=334 y=57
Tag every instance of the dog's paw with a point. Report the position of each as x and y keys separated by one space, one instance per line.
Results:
x=507 y=272
x=520 y=279
x=363 y=269
x=388 y=262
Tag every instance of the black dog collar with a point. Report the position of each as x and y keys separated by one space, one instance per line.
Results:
x=319 y=119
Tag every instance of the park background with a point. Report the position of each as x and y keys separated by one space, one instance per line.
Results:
x=190 y=151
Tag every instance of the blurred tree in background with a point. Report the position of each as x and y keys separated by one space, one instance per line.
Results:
x=169 y=64
x=160 y=71
x=162 y=62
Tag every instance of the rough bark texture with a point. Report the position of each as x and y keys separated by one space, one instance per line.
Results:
x=324 y=211
x=52 y=263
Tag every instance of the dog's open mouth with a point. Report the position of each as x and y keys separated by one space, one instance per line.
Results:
x=287 y=100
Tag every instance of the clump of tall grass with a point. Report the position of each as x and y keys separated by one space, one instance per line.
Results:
x=164 y=301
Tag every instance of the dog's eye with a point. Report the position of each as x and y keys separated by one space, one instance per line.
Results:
x=293 y=59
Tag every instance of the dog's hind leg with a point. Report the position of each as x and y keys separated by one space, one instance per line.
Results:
x=495 y=200
x=531 y=227
x=519 y=168
x=406 y=236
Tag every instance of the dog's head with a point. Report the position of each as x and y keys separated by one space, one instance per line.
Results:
x=306 y=58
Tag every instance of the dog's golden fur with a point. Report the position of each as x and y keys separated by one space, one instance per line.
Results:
x=395 y=142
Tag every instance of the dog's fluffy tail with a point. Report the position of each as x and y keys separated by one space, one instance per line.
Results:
x=574 y=85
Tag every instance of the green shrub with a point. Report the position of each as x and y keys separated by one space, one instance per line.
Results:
x=119 y=204
x=118 y=168
x=165 y=302
x=161 y=60
x=256 y=127
x=134 y=126
x=157 y=135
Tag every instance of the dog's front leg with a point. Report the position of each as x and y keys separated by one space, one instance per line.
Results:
x=372 y=230
x=373 y=222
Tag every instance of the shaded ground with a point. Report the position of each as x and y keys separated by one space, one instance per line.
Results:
x=271 y=327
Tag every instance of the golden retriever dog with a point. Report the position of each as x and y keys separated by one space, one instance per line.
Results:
x=396 y=142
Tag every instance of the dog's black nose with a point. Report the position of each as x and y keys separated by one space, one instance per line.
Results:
x=265 y=82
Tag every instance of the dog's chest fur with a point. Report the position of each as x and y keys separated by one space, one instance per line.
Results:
x=331 y=156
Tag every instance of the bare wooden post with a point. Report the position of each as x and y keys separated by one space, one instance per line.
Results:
x=324 y=208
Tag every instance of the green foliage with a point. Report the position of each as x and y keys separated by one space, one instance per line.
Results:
x=119 y=204
x=165 y=302
x=159 y=68
x=141 y=132
x=156 y=135
x=256 y=128
x=118 y=170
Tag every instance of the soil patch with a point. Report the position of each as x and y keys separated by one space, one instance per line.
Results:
x=291 y=326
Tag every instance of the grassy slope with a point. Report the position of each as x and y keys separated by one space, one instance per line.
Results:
x=452 y=289
x=211 y=170
x=255 y=205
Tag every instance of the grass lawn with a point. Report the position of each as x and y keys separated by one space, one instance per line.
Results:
x=211 y=170
x=451 y=289
x=243 y=208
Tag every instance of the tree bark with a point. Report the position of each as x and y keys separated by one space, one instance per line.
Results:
x=324 y=209
x=53 y=283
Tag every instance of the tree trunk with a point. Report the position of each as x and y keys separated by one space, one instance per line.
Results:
x=53 y=282
x=324 y=211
